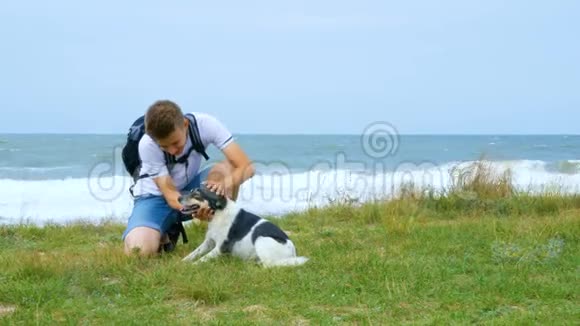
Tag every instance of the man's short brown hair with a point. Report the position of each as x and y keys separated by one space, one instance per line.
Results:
x=162 y=118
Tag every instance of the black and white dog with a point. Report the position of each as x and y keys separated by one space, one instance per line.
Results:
x=235 y=231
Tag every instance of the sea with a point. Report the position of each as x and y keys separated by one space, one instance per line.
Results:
x=67 y=178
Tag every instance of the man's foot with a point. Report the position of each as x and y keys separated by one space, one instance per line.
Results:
x=169 y=239
x=166 y=244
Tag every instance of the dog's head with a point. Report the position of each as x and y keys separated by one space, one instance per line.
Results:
x=201 y=198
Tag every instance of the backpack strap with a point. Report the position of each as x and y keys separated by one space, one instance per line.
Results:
x=196 y=144
x=195 y=137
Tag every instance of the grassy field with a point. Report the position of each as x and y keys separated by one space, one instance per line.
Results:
x=482 y=253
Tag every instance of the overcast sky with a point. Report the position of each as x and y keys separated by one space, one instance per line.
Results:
x=289 y=66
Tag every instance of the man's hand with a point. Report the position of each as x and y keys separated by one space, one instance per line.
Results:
x=220 y=188
x=167 y=187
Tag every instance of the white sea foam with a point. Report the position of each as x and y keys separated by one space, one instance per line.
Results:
x=63 y=201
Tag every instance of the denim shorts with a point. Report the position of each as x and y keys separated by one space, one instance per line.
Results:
x=154 y=212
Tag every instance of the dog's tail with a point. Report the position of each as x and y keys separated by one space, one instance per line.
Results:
x=292 y=261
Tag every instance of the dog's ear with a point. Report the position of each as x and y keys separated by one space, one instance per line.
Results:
x=214 y=200
x=221 y=202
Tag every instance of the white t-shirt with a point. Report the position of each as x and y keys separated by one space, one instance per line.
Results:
x=153 y=163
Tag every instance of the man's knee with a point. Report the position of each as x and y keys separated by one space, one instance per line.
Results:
x=219 y=171
x=142 y=240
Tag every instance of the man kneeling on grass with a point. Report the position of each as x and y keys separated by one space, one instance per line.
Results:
x=169 y=163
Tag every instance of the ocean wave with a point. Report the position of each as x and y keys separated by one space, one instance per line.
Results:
x=20 y=173
x=63 y=201
x=566 y=167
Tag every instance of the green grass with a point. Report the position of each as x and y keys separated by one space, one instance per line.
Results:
x=483 y=253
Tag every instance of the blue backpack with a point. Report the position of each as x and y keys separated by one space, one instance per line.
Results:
x=130 y=153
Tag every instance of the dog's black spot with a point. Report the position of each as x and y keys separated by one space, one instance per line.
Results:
x=243 y=223
x=269 y=229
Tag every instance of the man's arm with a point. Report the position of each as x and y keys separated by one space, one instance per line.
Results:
x=242 y=167
x=153 y=163
x=225 y=181
x=169 y=191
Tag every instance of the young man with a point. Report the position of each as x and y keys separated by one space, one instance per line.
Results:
x=156 y=206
